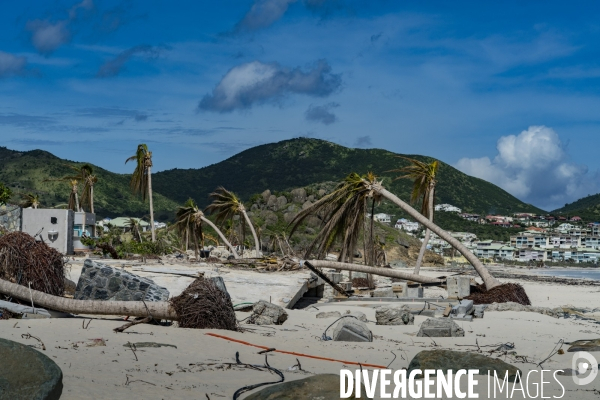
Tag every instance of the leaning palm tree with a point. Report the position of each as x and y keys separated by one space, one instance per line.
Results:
x=423 y=176
x=189 y=220
x=361 y=186
x=30 y=200
x=141 y=179
x=135 y=227
x=226 y=205
x=344 y=214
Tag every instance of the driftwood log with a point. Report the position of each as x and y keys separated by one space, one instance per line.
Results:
x=158 y=310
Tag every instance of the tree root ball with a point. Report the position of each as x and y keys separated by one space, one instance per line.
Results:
x=202 y=305
x=500 y=294
x=23 y=260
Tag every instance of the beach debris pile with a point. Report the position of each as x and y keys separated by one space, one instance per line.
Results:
x=267 y=264
x=507 y=292
x=25 y=261
x=204 y=305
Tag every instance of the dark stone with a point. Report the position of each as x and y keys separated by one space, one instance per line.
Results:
x=132 y=285
x=101 y=294
x=144 y=286
x=91 y=275
x=114 y=284
x=27 y=373
x=448 y=360
x=88 y=290
x=318 y=387
x=585 y=345
x=138 y=296
x=106 y=271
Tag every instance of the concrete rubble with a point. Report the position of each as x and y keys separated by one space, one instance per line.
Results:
x=265 y=313
x=351 y=330
x=394 y=316
x=437 y=327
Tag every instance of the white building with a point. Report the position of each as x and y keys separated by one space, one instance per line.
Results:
x=406 y=225
x=383 y=218
x=447 y=208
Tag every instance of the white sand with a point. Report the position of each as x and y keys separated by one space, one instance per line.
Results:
x=196 y=367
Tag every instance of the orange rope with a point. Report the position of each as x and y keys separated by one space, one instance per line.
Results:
x=294 y=353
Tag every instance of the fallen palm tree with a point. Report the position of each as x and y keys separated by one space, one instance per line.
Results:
x=391 y=273
x=158 y=310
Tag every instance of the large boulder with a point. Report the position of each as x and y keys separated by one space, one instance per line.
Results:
x=440 y=327
x=265 y=313
x=281 y=202
x=317 y=387
x=265 y=195
x=393 y=316
x=351 y=330
x=298 y=195
x=102 y=282
x=28 y=374
x=448 y=360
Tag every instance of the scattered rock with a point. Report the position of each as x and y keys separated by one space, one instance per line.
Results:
x=351 y=330
x=358 y=314
x=329 y=314
x=568 y=372
x=393 y=316
x=435 y=327
x=281 y=202
x=479 y=310
x=102 y=282
x=266 y=195
x=298 y=195
x=28 y=374
x=306 y=204
x=448 y=360
x=265 y=313
x=325 y=386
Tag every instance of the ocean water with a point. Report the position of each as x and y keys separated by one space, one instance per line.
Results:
x=585 y=273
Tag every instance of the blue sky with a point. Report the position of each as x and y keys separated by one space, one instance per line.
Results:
x=508 y=93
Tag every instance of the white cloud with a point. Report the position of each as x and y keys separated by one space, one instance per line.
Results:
x=256 y=82
x=534 y=167
x=11 y=64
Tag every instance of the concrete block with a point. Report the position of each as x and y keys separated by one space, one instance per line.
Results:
x=416 y=292
x=458 y=287
x=464 y=307
x=336 y=277
x=352 y=330
x=346 y=285
x=478 y=310
x=436 y=327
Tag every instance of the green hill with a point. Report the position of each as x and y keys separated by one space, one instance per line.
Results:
x=587 y=208
x=301 y=162
x=26 y=172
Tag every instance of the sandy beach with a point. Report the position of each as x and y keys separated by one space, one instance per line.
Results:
x=193 y=364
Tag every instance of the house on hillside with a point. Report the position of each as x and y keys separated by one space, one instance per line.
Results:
x=406 y=225
x=383 y=218
x=447 y=208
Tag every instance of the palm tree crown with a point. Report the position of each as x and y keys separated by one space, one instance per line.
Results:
x=423 y=176
x=141 y=179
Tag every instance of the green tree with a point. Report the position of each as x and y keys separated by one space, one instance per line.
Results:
x=141 y=179
x=5 y=194
x=29 y=200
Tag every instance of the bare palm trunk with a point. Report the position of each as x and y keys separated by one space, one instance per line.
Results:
x=92 y=199
x=427 y=232
x=77 y=202
x=392 y=273
x=209 y=222
x=151 y=204
x=488 y=279
x=158 y=309
x=196 y=250
x=256 y=241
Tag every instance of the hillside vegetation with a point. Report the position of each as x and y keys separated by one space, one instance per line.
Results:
x=301 y=162
x=30 y=171
x=587 y=208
